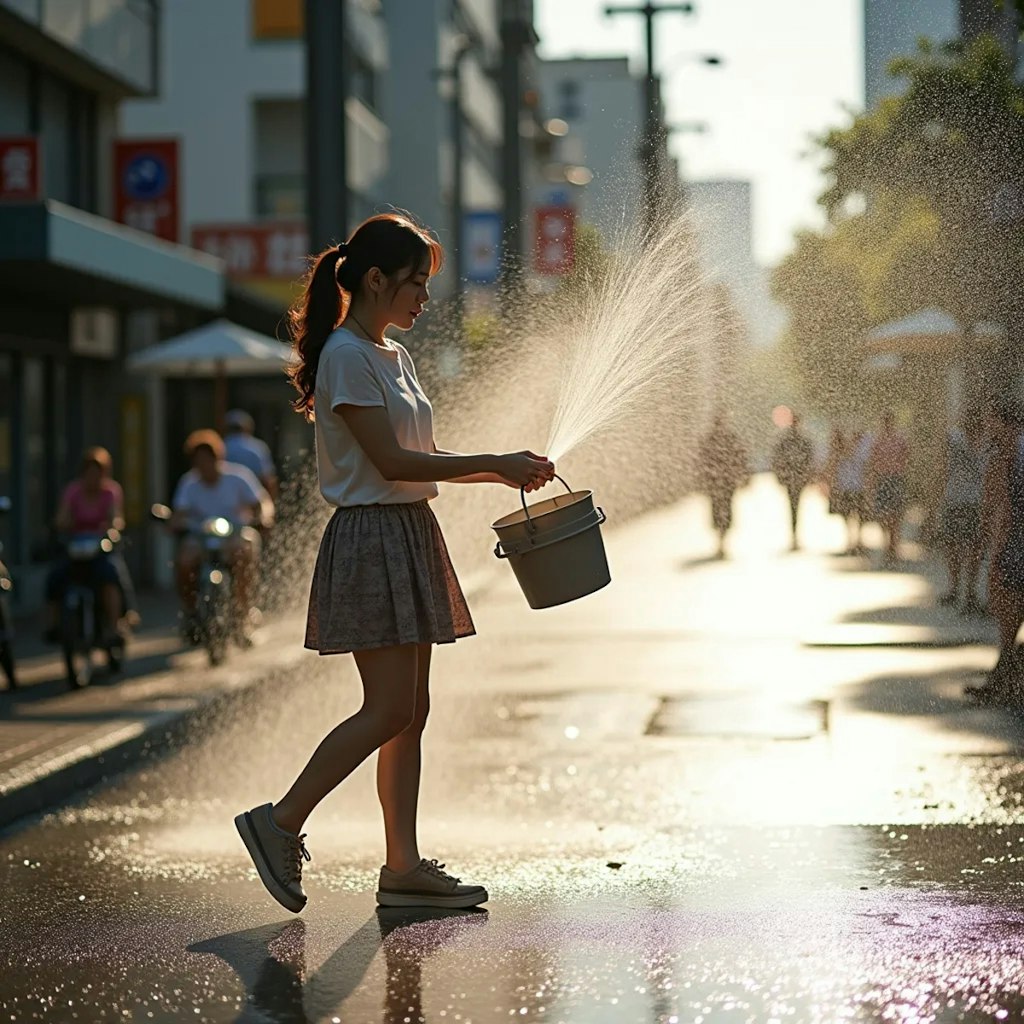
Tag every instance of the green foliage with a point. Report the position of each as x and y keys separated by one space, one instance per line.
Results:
x=481 y=330
x=590 y=263
x=922 y=206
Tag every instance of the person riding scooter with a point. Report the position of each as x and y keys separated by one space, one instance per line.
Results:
x=93 y=504
x=212 y=489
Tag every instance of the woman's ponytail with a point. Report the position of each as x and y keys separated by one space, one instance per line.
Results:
x=317 y=311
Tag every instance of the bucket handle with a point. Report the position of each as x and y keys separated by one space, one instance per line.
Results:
x=522 y=497
x=593 y=518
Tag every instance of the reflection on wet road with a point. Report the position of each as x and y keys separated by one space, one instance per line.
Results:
x=675 y=824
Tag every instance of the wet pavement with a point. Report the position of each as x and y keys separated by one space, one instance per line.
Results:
x=685 y=807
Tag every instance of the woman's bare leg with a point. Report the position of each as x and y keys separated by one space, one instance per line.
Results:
x=389 y=703
x=398 y=776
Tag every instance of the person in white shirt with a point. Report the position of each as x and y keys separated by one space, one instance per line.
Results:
x=244 y=449
x=213 y=489
x=384 y=588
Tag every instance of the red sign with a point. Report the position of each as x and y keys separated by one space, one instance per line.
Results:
x=146 y=185
x=21 y=171
x=555 y=241
x=276 y=250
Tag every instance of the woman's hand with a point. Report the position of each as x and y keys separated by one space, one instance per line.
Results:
x=524 y=469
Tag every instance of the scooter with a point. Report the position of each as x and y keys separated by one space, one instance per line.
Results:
x=81 y=621
x=6 y=619
x=216 y=620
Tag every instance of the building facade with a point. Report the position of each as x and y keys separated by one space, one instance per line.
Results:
x=78 y=291
x=722 y=211
x=601 y=102
x=233 y=93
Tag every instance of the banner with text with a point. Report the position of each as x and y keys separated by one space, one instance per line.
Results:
x=21 y=171
x=273 y=250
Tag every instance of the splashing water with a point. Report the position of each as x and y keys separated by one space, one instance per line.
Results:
x=611 y=375
x=629 y=335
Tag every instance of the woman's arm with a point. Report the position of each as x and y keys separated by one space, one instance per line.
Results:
x=473 y=478
x=371 y=427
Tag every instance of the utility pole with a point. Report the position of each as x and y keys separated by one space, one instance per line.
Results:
x=517 y=35
x=326 y=124
x=652 y=131
x=463 y=46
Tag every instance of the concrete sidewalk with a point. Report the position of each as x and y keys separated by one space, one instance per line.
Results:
x=54 y=741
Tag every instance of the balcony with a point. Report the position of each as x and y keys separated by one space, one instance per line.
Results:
x=115 y=40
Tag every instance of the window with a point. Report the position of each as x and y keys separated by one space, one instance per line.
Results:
x=569 y=108
x=278 y=19
x=362 y=79
x=280 y=182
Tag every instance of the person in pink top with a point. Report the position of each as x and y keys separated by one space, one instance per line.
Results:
x=887 y=480
x=92 y=503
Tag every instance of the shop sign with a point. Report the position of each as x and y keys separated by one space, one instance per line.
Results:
x=21 y=172
x=146 y=185
x=481 y=246
x=93 y=332
x=273 y=250
x=554 y=239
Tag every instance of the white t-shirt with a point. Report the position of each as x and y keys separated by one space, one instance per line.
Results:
x=230 y=497
x=353 y=371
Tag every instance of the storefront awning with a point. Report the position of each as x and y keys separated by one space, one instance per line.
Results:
x=48 y=246
x=220 y=348
x=930 y=332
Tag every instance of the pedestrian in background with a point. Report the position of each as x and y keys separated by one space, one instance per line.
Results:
x=723 y=467
x=960 y=512
x=846 y=497
x=793 y=465
x=1002 y=528
x=887 y=482
x=384 y=588
x=243 y=448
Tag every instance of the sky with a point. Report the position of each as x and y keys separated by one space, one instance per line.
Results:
x=791 y=69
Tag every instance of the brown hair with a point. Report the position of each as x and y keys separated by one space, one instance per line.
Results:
x=389 y=241
x=97 y=456
x=205 y=439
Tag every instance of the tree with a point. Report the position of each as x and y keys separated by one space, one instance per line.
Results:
x=922 y=210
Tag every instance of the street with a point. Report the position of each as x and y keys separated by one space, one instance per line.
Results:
x=741 y=790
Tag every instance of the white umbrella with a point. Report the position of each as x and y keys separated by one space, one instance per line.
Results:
x=219 y=350
x=927 y=330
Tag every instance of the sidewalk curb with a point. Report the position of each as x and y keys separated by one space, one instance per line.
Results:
x=57 y=774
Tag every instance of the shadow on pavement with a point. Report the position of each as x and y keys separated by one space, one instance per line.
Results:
x=270 y=961
x=699 y=560
x=926 y=696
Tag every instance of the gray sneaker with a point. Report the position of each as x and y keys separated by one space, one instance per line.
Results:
x=427 y=886
x=278 y=855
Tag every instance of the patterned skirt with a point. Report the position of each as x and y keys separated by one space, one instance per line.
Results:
x=383 y=577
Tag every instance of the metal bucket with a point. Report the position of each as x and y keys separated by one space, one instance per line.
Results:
x=555 y=547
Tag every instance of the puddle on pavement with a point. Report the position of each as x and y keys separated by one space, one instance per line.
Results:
x=603 y=715
x=718 y=925
x=740 y=717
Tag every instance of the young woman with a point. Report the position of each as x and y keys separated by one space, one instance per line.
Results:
x=384 y=588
